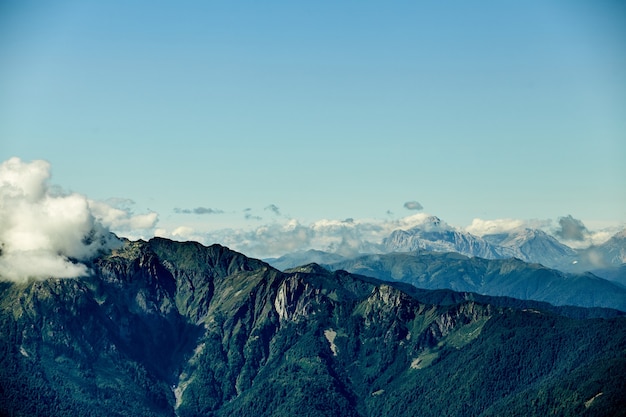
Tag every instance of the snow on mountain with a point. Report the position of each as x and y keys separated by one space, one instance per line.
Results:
x=532 y=245
x=435 y=235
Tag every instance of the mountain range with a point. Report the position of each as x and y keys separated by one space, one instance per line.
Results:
x=164 y=328
x=522 y=263
x=530 y=245
x=498 y=277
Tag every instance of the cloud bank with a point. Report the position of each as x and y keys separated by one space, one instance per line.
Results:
x=348 y=237
x=47 y=233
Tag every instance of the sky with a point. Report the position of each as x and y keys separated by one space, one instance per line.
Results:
x=259 y=124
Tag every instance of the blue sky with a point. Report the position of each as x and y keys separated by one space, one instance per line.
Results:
x=267 y=112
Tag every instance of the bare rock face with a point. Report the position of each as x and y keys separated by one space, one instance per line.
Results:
x=162 y=328
x=435 y=235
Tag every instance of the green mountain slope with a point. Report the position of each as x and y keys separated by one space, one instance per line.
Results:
x=496 y=277
x=178 y=329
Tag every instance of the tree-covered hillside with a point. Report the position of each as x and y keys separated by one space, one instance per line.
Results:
x=178 y=329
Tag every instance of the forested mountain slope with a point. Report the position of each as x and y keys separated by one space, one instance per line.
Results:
x=178 y=329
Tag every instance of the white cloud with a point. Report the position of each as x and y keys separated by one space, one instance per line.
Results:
x=480 y=227
x=122 y=220
x=347 y=237
x=43 y=233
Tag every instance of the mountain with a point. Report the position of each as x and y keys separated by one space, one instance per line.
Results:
x=163 y=328
x=616 y=274
x=532 y=245
x=435 y=235
x=291 y=260
x=497 y=277
x=606 y=256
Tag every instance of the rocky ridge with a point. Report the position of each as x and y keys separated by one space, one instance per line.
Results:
x=179 y=329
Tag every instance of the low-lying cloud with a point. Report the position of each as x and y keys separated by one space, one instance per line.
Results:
x=348 y=237
x=45 y=232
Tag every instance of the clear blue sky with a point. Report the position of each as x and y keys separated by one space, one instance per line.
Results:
x=489 y=109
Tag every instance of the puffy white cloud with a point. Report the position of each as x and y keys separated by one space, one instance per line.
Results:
x=347 y=237
x=122 y=220
x=480 y=227
x=44 y=233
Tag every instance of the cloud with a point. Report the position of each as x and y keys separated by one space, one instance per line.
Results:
x=43 y=232
x=120 y=203
x=571 y=229
x=413 y=205
x=199 y=210
x=247 y=214
x=348 y=237
x=480 y=227
x=122 y=221
x=274 y=208
x=181 y=233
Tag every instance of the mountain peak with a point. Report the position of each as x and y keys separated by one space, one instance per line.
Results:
x=311 y=268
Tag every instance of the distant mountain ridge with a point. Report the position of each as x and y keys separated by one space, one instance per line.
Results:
x=610 y=254
x=435 y=235
x=496 y=277
x=295 y=259
x=606 y=260
x=530 y=245
x=164 y=328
